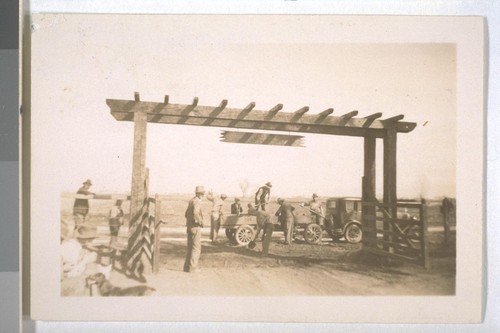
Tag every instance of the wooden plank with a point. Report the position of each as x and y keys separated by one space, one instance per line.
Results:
x=374 y=116
x=390 y=176
x=371 y=118
x=302 y=110
x=138 y=167
x=325 y=113
x=368 y=217
x=394 y=119
x=245 y=123
x=156 y=241
x=169 y=112
x=424 y=238
x=262 y=138
x=349 y=115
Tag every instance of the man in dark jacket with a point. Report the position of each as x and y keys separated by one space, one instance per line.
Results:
x=81 y=205
x=236 y=208
x=286 y=217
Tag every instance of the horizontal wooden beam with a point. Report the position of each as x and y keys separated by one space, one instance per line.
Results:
x=198 y=115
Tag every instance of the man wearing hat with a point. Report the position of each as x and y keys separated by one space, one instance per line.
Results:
x=262 y=196
x=236 y=208
x=216 y=216
x=81 y=206
x=194 y=223
x=316 y=209
x=286 y=217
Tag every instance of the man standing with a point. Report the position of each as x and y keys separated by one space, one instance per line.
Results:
x=216 y=216
x=317 y=213
x=81 y=206
x=236 y=208
x=194 y=223
x=115 y=221
x=263 y=222
x=286 y=216
x=262 y=196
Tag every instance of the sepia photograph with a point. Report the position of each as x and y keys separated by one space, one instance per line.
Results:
x=293 y=161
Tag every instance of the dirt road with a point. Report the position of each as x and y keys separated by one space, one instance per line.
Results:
x=301 y=269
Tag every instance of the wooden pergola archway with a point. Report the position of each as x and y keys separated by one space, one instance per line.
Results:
x=369 y=128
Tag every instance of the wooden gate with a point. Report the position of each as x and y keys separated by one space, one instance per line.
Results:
x=402 y=234
x=370 y=128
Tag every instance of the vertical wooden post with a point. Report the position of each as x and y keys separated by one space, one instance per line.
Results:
x=138 y=190
x=156 y=241
x=423 y=236
x=369 y=185
x=390 y=179
x=138 y=167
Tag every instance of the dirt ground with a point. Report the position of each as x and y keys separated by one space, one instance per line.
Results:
x=326 y=269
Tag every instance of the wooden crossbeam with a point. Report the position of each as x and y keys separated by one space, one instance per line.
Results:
x=302 y=110
x=325 y=113
x=195 y=101
x=371 y=118
x=276 y=108
x=249 y=107
x=394 y=119
x=194 y=114
x=349 y=115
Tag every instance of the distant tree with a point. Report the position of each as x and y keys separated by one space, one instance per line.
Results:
x=244 y=185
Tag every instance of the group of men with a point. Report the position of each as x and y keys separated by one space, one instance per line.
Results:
x=80 y=229
x=285 y=214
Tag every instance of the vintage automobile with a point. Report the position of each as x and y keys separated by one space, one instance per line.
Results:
x=241 y=229
x=342 y=219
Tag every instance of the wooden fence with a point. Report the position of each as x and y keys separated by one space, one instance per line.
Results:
x=388 y=235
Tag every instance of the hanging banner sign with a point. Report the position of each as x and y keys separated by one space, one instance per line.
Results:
x=262 y=138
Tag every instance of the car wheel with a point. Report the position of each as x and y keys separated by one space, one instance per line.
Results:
x=244 y=235
x=353 y=233
x=230 y=234
x=313 y=233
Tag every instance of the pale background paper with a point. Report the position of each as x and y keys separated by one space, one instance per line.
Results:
x=121 y=327
x=73 y=72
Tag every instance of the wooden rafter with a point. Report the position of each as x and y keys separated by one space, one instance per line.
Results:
x=249 y=118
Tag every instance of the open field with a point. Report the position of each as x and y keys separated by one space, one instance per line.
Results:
x=329 y=268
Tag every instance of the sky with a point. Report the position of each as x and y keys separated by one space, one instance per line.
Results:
x=79 y=61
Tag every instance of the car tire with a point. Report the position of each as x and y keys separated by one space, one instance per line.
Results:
x=230 y=232
x=313 y=233
x=353 y=233
x=244 y=235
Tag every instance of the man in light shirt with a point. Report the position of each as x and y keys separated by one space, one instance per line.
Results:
x=216 y=216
